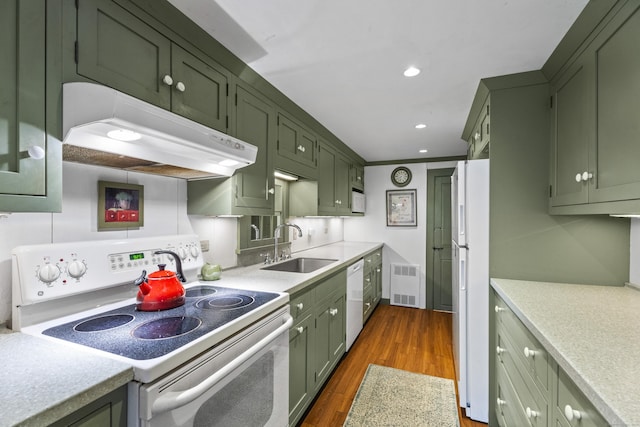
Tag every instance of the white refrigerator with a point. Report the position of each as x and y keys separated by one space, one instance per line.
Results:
x=470 y=282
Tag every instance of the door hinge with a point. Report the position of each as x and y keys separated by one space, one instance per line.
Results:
x=551 y=191
x=227 y=123
x=551 y=102
x=75 y=51
x=236 y=99
x=227 y=89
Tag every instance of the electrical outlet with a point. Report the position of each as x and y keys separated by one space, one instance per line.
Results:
x=204 y=245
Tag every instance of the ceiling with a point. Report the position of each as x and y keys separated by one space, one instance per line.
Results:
x=342 y=61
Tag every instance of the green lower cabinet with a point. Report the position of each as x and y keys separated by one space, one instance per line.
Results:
x=107 y=411
x=527 y=386
x=30 y=158
x=317 y=340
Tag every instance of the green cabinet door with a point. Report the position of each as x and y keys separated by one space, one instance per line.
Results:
x=301 y=373
x=199 y=90
x=256 y=124
x=572 y=130
x=296 y=148
x=30 y=160
x=327 y=202
x=334 y=182
x=616 y=151
x=119 y=50
x=357 y=176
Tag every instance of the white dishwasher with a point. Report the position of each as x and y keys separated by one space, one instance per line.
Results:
x=355 y=289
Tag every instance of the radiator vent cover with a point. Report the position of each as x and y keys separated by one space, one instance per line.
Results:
x=405 y=285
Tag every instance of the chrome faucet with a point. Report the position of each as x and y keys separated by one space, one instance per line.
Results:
x=276 y=234
x=257 y=230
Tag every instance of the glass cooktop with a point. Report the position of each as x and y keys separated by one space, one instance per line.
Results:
x=143 y=335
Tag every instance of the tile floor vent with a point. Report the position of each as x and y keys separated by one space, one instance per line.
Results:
x=405 y=284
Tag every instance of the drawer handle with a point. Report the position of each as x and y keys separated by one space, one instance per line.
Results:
x=301 y=148
x=500 y=402
x=530 y=353
x=299 y=306
x=368 y=304
x=531 y=413
x=499 y=350
x=571 y=413
x=498 y=309
x=300 y=329
x=333 y=311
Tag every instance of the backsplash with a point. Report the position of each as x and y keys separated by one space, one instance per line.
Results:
x=165 y=213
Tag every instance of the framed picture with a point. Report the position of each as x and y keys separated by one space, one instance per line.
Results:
x=401 y=208
x=120 y=205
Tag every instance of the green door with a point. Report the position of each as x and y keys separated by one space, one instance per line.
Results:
x=199 y=90
x=255 y=124
x=342 y=184
x=439 y=239
x=23 y=142
x=117 y=49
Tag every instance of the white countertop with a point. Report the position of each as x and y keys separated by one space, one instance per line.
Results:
x=253 y=277
x=593 y=332
x=43 y=381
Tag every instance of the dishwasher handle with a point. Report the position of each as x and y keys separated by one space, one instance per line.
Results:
x=175 y=399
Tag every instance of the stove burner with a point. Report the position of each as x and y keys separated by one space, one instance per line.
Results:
x=200 y=291
x=227 y=302
x=103 y=323
x=167 y=327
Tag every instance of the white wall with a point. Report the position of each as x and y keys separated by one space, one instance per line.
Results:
x=402 y=244
x=164 y=204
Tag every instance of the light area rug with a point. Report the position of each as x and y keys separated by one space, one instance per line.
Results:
x=393 y=397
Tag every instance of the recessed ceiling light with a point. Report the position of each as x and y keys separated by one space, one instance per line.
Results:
x=421 y=126
x=411 y=71
x=424 y=150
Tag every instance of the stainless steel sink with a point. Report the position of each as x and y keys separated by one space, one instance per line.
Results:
x=300 y=265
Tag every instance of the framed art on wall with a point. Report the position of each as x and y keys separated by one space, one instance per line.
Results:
x=120 y=205
x=401 y=208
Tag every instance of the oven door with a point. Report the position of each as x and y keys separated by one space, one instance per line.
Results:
x=241 y=382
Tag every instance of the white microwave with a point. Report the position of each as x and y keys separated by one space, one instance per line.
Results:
x=357 y=202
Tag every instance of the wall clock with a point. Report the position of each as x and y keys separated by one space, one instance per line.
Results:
x=401 y=176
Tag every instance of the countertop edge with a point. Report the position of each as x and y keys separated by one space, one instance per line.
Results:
x=583 y=385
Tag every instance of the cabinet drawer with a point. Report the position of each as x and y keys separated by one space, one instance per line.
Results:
x=527 y=348
x=572 y=407
x=302 y=304
x=533 y=404
x=507 y=406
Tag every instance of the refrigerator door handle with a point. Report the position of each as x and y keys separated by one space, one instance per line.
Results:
x=462 y=274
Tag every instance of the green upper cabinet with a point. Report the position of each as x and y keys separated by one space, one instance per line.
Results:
x=357 y=176
x=199 y=89
x=334 y=182
x=117 y=49
x=596 y=131
x=296 y=148
x=251 y=190
x=30 y=159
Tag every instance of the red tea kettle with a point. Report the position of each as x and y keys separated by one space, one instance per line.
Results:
x=163 y=289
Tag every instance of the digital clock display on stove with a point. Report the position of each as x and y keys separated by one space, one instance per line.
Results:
x=134 y=257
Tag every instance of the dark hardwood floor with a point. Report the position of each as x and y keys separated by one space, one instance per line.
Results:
x=399 y=337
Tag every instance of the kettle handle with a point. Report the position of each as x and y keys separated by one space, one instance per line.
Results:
x=140 y=280
x=179 y=273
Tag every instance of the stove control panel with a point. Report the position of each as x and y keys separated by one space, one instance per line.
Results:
x=46 y=272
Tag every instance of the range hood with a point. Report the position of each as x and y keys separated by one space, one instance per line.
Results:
x=149 y=139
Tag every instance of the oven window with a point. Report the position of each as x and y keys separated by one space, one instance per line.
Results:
x=245 y=401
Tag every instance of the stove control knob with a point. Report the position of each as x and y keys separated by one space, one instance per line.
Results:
x=76 y=269
x=48 y=273
x=182 y=252
x=193 y=249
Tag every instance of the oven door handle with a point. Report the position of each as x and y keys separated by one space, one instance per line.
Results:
x=175 y=399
